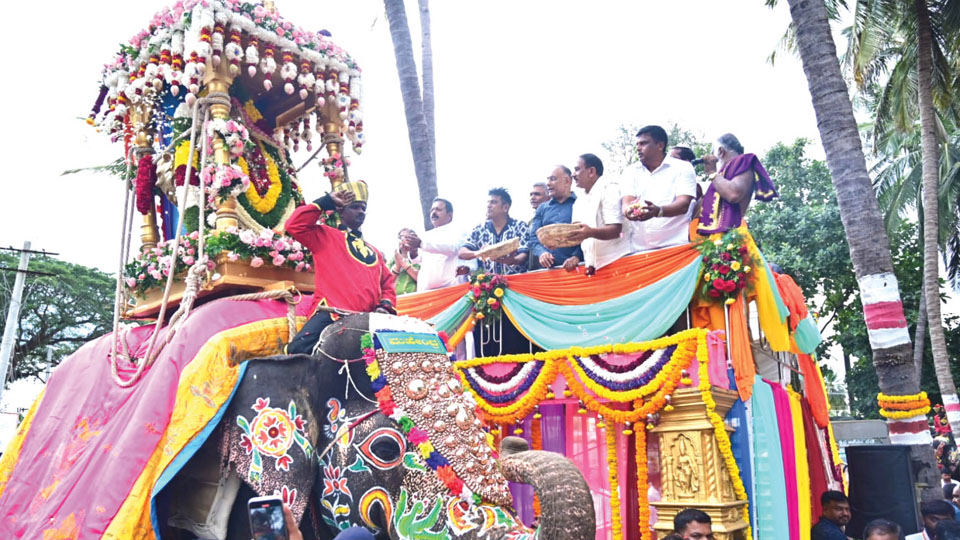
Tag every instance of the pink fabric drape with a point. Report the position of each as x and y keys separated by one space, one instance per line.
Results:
x=717 y=364
x=785 y=427
x=90 y=439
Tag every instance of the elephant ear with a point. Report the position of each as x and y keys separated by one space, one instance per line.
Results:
x=417 y=387
x=268 y=436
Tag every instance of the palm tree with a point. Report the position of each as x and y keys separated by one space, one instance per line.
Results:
x=897 y=39
x=859 y=211
x=419 y=133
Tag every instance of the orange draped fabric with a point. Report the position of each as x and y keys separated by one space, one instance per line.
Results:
x=424 y=305
x=793 y=298
x=564 y=288
x=624 y=276
x=814 y=389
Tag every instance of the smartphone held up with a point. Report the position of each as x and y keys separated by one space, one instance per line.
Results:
x=266 y=518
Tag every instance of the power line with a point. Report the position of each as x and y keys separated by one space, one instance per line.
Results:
x=42 y=252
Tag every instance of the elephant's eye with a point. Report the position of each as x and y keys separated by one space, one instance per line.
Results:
x=383 y=448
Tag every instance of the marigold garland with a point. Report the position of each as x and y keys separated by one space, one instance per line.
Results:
x=536 y=442
x=903 y=407
x=720 y=431
x=640 y=441
x=614 y=484
x=562 y=360
x=901 y=398
x=593 y=397
x=269 y=200
x=903 y=415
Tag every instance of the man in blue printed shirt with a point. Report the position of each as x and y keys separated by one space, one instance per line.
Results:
x=498 y=227
x=559 y=209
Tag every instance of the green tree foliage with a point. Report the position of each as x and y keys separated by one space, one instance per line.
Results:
x=622 y=149
x=801 y=231
x=62 y=311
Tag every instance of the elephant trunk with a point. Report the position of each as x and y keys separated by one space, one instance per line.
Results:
x=566 y=505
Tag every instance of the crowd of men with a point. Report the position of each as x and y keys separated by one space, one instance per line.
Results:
x=941 y=521
x=650 y=206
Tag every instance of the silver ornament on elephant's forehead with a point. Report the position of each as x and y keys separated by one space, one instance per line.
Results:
x=417 y=389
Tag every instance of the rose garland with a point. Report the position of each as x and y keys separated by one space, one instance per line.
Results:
x=903 y=407
x=334 y=165
x=224 y=180
x=146 y=181
x=416 y=436
x=720 y=431
x=269 y=247
x=486 y=291
x=726 y=266
x=233 y=133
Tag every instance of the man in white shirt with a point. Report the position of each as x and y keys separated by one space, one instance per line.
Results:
x=598 y=213
x=657 y=193
x=439 y=263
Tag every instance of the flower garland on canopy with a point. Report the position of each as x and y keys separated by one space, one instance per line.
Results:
x=726 y=266
x=149 y=269
x=902 y=407
x=720 y=431
x=486 y=293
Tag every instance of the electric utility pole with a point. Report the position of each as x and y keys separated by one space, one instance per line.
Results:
x=13 y=315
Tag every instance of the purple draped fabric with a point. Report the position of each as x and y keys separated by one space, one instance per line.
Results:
x=718 y=215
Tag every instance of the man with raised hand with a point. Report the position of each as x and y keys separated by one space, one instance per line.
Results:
x=350 y=273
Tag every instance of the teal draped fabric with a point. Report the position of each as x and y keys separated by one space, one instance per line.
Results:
x=807 y=336
x=782 y=309
x=642 y=315
x=450 y=319
x=773 y=521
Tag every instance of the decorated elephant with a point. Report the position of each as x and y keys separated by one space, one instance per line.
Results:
x=374 y=431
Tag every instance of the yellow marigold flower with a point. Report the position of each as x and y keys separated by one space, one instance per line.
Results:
x=735 y=265
x=479 y=315
x=730 y=301
x=707 y=278
x=479 y=277
x=746 y=269
x=730 y=246
x=491 y=301
x=498 y=292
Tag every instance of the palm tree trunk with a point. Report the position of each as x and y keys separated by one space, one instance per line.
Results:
x=920 y=336
x=423 y=162
x=931 y=205
x=426 y=65
x=863 y=224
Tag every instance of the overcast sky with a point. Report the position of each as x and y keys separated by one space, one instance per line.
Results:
x=520 y=87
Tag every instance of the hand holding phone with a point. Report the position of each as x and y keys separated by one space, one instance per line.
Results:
x=267 y=520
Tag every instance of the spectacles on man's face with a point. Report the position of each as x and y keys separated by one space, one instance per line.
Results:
x=698 y=536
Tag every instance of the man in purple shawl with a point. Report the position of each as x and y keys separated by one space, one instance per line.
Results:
x=728 y=197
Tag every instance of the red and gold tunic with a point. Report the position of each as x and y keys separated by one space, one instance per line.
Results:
x=349 y=272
